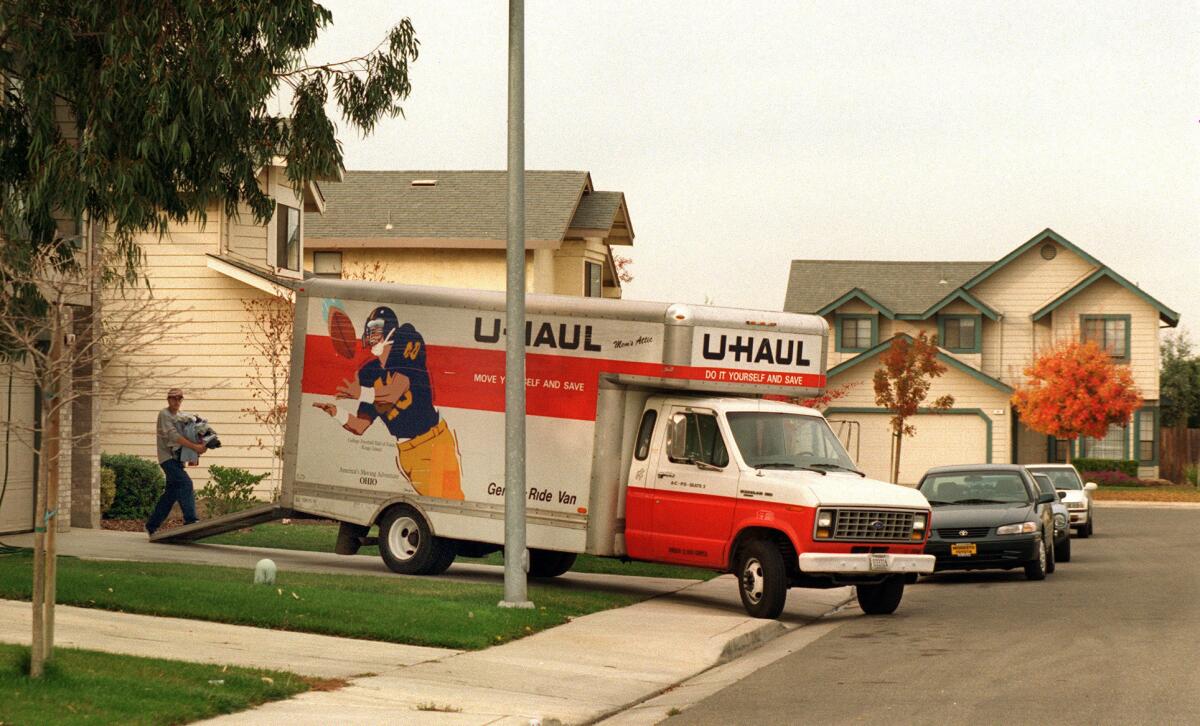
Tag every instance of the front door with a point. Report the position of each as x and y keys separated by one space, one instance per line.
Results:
x=694 y=490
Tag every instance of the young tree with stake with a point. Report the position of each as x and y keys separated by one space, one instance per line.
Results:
x=906 y=371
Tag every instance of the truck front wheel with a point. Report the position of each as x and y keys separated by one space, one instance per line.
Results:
x=408 y=546
x=880 y=599
x=762 y=579
x=548 y=563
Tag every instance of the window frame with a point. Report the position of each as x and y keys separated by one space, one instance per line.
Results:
x=839 y=343
x=976 y=346
x=1085 y=442
x=588 y=266
x=1155 y=430
x=282 y=216
x=328 y=275
x=1085 y=318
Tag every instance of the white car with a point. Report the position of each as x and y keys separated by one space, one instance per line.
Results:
x=1076 y=495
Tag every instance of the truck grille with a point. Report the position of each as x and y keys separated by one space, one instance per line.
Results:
x=872 y=524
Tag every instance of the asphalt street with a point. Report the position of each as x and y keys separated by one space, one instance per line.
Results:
x=1112 y=637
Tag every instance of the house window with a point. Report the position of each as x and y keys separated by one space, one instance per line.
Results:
x=1059 y=448
x=287 y=237
x=1147 y=436
x=1110 y=332
x=959 y=333
x=592 y=286
x=327 y=264
x=1112 y=446
x=856 y=333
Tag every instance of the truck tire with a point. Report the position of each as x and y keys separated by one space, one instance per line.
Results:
x=444 y=554
x=406 y=543
x=882 y=598
x=762 y=579
x=548 y=563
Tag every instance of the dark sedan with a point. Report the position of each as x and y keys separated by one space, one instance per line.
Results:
x=989 y=516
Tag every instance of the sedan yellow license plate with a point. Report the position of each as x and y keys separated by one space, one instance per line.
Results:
x=962 y=550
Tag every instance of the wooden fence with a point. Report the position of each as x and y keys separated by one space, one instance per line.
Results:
x=1178 y=448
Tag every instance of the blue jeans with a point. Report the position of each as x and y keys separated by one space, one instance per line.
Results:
x=179 y=489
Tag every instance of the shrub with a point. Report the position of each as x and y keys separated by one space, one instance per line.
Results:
x=1127 y=466
x=138 y=485
x=1112 y=478
x=108 y=487
x=1191 y=475
x=229 y=489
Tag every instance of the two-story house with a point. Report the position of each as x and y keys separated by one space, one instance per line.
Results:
x=991 y=318
x=449 y=228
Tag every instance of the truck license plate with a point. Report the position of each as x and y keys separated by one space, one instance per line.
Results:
x=877 y=562
x=962 y=550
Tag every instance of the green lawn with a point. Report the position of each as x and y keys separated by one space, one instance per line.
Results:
x=418 y=611
x=320 y=538
x=86 y=687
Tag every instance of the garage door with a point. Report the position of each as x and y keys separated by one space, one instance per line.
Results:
x=16 y=455
x=940 y=440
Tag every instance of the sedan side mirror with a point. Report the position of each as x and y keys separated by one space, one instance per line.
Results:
x=1091 y=486
x=1062 y=496
x=1046 y=498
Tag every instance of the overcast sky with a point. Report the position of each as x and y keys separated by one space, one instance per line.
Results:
x=747 y=135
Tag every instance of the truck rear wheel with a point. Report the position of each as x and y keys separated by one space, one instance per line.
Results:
x=882 y=598
x=408 y=546
x=548 y=563
x=762 y=579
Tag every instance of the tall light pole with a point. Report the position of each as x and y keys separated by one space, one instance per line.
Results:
x=516 y=558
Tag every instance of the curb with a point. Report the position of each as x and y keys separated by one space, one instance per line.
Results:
x=1127 y=504
x=747 y=642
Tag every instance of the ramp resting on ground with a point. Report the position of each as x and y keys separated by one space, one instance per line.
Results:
x=222 y=524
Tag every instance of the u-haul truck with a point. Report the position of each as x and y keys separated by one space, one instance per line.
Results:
x=648 y=439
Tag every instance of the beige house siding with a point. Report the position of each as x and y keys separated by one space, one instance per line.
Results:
x=203 y=350
x=441 y=267
x=1017 y=290
x=245 y=238
x=987 y=403
x=16 y=448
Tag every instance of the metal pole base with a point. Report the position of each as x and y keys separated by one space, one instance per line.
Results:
x=523 y=605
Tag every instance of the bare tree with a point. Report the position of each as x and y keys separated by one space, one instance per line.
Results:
x=40 y=299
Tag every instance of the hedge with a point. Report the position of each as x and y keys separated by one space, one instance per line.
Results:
x=139 y=483
x=1127 y=466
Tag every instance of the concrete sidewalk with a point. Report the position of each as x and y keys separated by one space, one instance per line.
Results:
x=580 y=672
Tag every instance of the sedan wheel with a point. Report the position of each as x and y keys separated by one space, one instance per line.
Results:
x=1036 y=570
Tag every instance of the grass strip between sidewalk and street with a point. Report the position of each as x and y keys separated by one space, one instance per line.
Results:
x=416 y=611
x=313 y=537
x=87 y=687
x=1147 y=494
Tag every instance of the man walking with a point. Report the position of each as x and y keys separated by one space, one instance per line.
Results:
x=179 y=484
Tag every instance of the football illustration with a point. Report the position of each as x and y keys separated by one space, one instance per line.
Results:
x=342 y=333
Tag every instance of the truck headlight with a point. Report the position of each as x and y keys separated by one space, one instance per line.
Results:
x=824 y=524
x=1022 y=528
x=919 y=522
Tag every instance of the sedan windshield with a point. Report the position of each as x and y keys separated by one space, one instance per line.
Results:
x=1062 y=478
x=787 y=441
x=975 y=488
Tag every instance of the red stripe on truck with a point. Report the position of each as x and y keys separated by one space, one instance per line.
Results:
x=557 y=386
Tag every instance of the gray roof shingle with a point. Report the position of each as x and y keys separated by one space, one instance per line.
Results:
x=462 y=205
x=903 y=287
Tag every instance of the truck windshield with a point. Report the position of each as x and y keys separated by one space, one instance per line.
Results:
x=787 y=440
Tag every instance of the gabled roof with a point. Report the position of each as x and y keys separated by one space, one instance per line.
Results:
x=1046 y=235
x=603 y=213
x=1166 y=314
x=900 y=288
x=942 y=356
x=421 y=208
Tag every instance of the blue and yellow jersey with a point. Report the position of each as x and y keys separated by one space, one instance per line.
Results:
x=414 y=413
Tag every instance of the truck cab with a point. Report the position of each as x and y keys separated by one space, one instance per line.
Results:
x=764 y=489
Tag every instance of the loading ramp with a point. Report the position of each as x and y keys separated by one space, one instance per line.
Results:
x=220 y=525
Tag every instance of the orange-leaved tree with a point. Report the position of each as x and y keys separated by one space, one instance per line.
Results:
x=906 y=371
x=1074 y=390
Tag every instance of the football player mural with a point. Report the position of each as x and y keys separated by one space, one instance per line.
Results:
x=393 y=386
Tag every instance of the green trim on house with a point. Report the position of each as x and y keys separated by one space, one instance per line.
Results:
x=950 y=412
x=837 y=331
x=860 y=294
x=1166 y=314
x=1046 y=235
x=978 y=344
x=1137 y=434
x=966 y=297
x=1083 y=318
x=948 y=360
